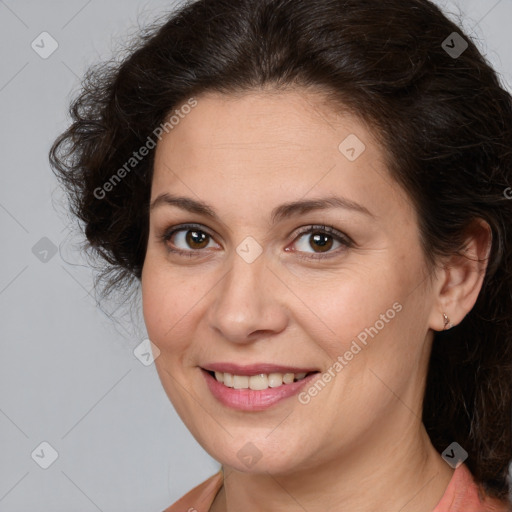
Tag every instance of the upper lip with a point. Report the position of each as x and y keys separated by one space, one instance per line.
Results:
x=254 y=369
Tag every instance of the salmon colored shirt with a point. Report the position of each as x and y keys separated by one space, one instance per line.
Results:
x=461 y=495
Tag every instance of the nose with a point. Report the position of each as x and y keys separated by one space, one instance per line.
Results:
x=247 y=304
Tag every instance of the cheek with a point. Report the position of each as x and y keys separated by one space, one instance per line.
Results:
x=167 y=303
x=339 y=309
x=370 y=326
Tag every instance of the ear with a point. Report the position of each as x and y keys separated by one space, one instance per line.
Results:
x=460 y=279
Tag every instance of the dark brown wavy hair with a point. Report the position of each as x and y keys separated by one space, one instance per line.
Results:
x=444 y=121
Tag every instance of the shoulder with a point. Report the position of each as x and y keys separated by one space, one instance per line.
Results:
x=200 y=498
x=464 y=495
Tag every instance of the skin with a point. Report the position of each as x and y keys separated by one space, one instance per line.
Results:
x=361 y=438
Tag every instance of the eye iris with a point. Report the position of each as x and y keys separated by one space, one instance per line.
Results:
x=191 y=234
x=319 y=239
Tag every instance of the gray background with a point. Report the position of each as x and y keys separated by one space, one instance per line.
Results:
x=68 y=374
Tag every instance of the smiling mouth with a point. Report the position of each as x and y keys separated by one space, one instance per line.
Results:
x=259 y=381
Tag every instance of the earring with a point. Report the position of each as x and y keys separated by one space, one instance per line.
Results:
x=447 y=323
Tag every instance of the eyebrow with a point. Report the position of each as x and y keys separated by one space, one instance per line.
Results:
x=278 y=214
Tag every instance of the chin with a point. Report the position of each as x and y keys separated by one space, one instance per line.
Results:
x=260 y=458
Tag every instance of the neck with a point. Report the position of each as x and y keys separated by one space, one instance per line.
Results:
x=405 y=473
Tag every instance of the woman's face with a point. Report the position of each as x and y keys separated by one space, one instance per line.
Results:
x=251 y=293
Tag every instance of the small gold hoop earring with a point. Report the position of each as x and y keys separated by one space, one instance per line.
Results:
x=447 y=323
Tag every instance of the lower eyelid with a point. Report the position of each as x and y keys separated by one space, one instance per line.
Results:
x=332 y=253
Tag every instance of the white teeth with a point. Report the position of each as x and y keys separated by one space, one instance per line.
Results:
x=257 y=382
x=240 y=381
x=228 y=380
x=275 y=380
x=288 y=378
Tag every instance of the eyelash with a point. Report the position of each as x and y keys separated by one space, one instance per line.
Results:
x=344 y=240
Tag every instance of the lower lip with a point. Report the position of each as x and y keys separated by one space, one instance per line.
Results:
x=250 y=399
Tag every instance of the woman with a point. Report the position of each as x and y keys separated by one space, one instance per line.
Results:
x=312 y=197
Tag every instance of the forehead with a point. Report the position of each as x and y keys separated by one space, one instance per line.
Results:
x=266 y=147
x=272 y=121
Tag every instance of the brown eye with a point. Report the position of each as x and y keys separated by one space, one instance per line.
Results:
x=319 y=240
x=322 y=241
x=186 y=239
x=196 y=239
